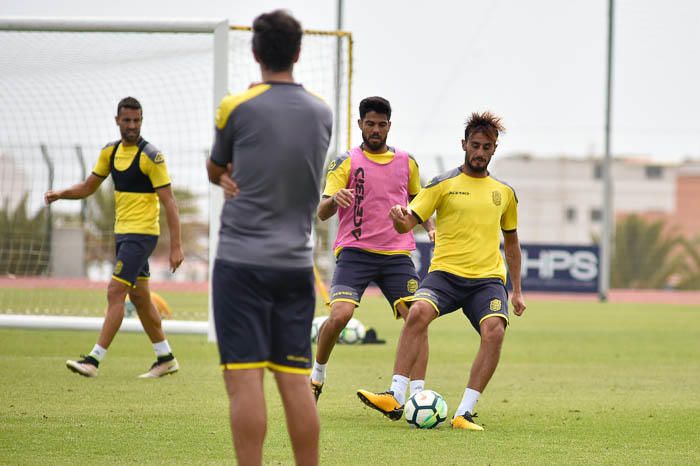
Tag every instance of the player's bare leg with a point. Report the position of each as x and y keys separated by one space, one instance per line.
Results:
x=420 y=367
x=116 y=294
x=303 y=423
x=341 y=313
x=492 y=332
x=248 y=414
x=148 y=314
x=414 y=336
x=166 y=363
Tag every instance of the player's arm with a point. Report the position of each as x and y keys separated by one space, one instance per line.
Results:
x=221 y=176
x=404 y=220
x=336 y=193
x=77 y=191
x=414 y=187
x=329 y=204
x=428 y=225
x=167 y=199
x=220 y=163
x=511 y=246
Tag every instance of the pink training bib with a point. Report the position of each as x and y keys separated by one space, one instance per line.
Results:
x=378 y=187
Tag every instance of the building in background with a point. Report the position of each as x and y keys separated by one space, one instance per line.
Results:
x=560 y=199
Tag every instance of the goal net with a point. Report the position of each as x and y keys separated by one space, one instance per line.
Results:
x=59 y=88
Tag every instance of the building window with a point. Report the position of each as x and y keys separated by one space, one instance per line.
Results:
x=596 y=215
x=598 y=171
x=654 y=172
x=570 y=215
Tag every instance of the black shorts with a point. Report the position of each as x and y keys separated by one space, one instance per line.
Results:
x=263 y=316
x=395 y=275
x=479 y=298
x=133 y=251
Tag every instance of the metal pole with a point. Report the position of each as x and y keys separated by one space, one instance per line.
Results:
x=338 y=79
x=216 y=196
x=333 y=221
x=606 y=237
x=49 y=219
x=83 y=175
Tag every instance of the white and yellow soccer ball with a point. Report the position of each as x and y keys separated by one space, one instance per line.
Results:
x=353 y=333
x=426 y=409
x=316 y=326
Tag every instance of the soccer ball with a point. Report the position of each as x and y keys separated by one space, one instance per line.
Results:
x=316 y=326
x=353 y=333
x=426 y=409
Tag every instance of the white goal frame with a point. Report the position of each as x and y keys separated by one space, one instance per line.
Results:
x=219 y=29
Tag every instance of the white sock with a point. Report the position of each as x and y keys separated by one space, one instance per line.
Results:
x=162 y=348
x=399 y=384
x=416 y=386
x=469 y=400
x=318 y=373
x=98 y=352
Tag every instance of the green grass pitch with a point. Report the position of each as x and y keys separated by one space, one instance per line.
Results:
x=578 y=384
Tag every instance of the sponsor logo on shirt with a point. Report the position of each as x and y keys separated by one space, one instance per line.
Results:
x=359 y=197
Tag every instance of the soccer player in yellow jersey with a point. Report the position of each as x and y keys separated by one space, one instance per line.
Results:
x=467 y=270
x=141 y=181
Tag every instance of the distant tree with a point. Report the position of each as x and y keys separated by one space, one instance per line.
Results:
x=690 y=272
x=24 y=243
x=644 y=255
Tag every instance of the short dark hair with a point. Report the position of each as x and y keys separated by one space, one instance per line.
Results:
x=276 y=39
x=375 y=104
x=487 y=123
x=129 y=102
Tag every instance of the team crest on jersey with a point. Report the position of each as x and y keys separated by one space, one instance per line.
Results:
x=496 y=197
x=412 y=285
x=495 y=304
x=158 y=158
x=118 y=267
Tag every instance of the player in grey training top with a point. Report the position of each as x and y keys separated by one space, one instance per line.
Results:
x=268 y=154
x=276 y=136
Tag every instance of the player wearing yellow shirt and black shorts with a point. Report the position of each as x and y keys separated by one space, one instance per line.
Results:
x=141 y=184
x=467 y=270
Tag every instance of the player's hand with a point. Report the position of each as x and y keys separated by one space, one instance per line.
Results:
x=398 y=213
x=431 y=235
x=176 y=258
x=229 y=186
x=344 y=197
x=51 y=196
x=518 y=303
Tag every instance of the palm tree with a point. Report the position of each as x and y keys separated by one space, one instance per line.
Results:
x=690 y=273
x=644 y=254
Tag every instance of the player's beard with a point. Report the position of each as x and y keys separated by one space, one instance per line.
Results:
x=130 y=138
x=372 y=144
x=475 y=168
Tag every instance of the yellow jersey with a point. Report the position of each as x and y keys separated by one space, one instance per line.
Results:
x=137 y=171
x=470 y=214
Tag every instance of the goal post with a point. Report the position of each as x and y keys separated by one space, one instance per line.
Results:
x=61 y=81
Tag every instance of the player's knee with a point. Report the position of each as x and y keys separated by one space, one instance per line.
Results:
x=420 y=315
x=493 y=330
x=341 y=315
x=116 y=292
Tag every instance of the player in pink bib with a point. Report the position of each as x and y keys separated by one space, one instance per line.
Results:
x=361 y=186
